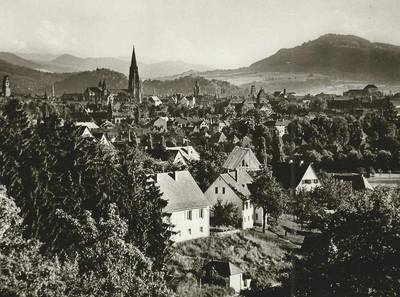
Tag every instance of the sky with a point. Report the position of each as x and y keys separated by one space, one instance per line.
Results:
x=216 y=33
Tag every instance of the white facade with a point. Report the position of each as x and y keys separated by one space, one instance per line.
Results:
x=190 y=224
x=236 y=282
x=309 y=181
x=221 y=190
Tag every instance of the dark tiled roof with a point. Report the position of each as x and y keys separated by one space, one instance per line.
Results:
x=358 y=182
x=289 y=174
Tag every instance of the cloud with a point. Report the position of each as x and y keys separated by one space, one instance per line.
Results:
x=19 y=45
x=55 y=37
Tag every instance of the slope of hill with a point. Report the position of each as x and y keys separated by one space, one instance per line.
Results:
x=185 y=85
x=18 y=61
x=343 y=56
x=78 y=82
x=71 y=63
x=28 y=81
x=169 y=68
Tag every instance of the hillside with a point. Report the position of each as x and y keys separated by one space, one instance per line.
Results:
x=28 y=81
x=185 y=85
x=169 y=68
x=341 y=56
x=18 y=61
x=78 y=82
x=71 y=63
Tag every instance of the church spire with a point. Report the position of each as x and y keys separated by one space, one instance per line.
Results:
x=133 y=59
x=134 y=82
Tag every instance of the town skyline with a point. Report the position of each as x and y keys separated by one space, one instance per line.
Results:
x=188 y=31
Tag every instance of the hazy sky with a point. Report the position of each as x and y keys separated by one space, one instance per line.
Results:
x=218 y=33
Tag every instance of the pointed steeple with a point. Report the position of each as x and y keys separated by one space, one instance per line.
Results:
x=134 y=87
x=133 y=59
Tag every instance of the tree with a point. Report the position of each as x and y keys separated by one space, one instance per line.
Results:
x=268 y=194
x=226 y=214
x=357 y=251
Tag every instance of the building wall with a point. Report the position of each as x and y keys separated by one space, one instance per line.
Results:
x=309 y=181
x=235 y=282
x=190 y=229
x=247 y=214
x=230 y=196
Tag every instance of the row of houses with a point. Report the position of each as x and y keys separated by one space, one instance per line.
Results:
x=190 y=208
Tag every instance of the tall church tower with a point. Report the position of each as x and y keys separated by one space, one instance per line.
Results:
x=6 y=86
x=134 y=87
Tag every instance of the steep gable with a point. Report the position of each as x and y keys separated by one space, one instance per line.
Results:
x=181 y=191
x=242 y=158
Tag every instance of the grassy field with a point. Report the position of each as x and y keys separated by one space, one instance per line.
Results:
x=265 y=258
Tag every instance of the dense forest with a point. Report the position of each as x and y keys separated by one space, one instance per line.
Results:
x=76 y=220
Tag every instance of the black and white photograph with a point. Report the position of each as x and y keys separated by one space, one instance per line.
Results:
x=199 y=148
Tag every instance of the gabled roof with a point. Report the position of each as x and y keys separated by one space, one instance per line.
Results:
x=238 y=179
x=90 y=125
x=289 y=174
x=181 y=191
x=218 y=137
x=224 y=268
x=188 y=152
x=358 y=181
x=237 y=155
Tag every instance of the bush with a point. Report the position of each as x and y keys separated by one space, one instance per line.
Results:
x=225 y=215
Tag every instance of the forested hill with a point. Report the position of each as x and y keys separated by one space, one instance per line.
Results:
x=344 y=56
x=79 y=81
x=29 y=81
x=186 y=84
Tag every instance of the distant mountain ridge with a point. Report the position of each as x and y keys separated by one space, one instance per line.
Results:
x=344 y=56
x=71 y=63
x=25 y=81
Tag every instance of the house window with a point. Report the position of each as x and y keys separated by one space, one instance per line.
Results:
x=190 y=231
x=306 y=181
x=201 y=213
x=178 y=233
x=243 y=163
x=315 y=181
x=247 y=204
x=243 y=206
x=201 y=229
x=244 y=219
x=248 y=218
x=189 y=215
x=216 y=190
x=256 y=216
x=223 y=190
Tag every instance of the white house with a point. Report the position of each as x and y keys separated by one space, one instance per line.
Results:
x=230 y=272
x=242 y=158
x=155 y=101
x=184 y=154
x=296 y=176
x=281 y=127
x=231 y=187
x=189 y=208
x=89 y=125
x=161 y=123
